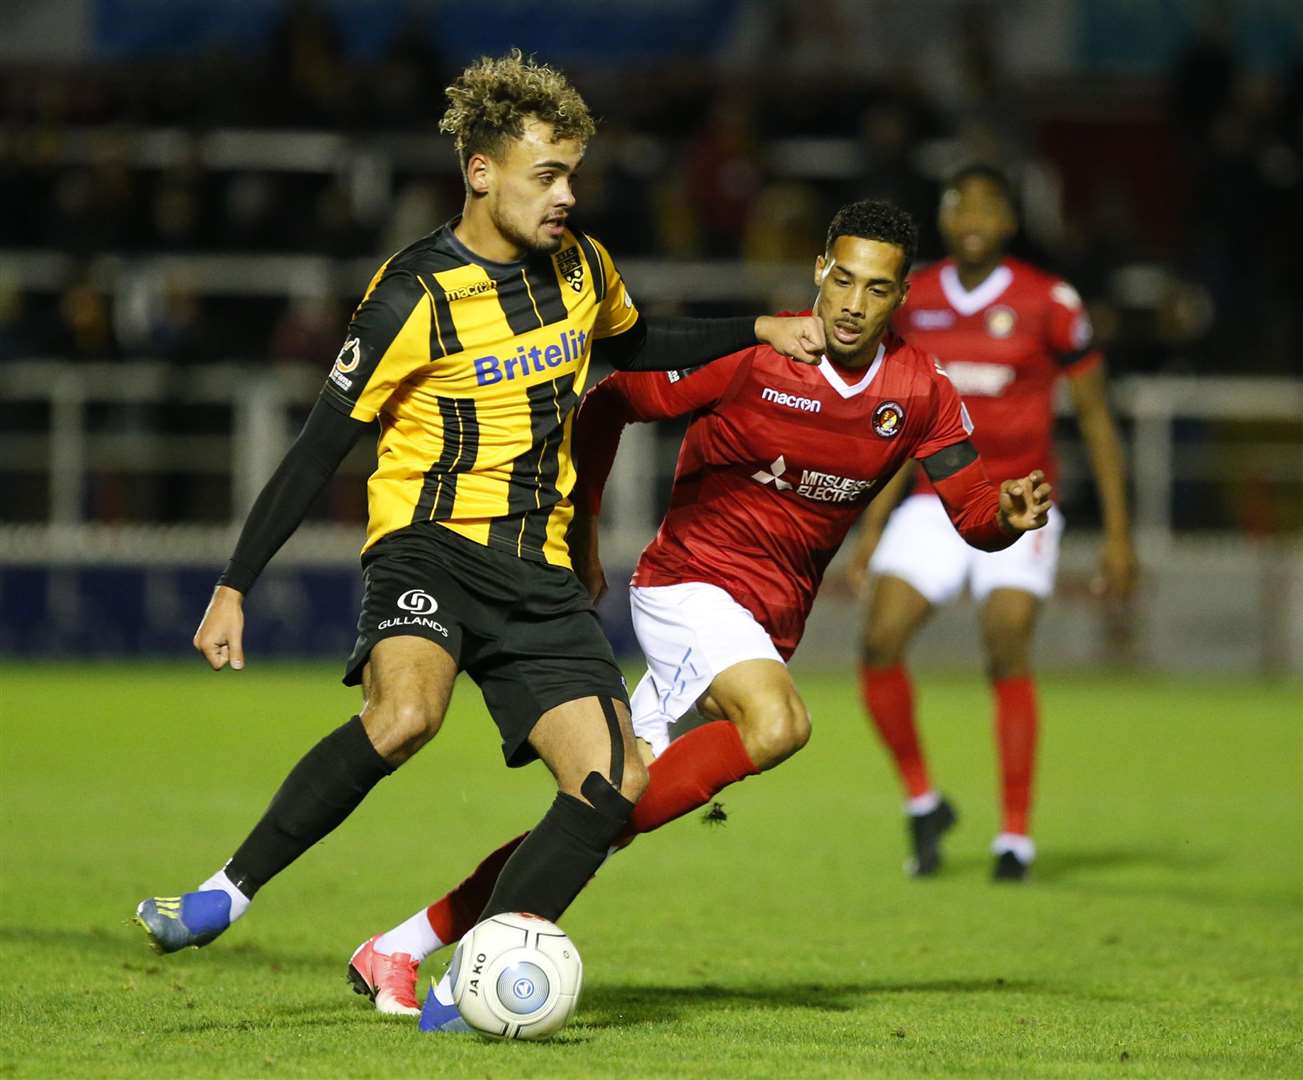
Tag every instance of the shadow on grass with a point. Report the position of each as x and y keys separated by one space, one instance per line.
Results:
x=1060 y=865
x=1158 y=873
x=626 y=1006
x=127 y=943
x=622 y=1007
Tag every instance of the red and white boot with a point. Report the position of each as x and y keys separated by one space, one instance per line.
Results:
x=389 y=981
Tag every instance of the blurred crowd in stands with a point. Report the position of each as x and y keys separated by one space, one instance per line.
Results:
x=1175 y=205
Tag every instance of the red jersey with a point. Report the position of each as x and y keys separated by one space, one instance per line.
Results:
x=777 y=463
x=1004 y=345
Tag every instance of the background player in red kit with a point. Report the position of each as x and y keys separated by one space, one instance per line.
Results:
x=776 y=465
x=1005 y=332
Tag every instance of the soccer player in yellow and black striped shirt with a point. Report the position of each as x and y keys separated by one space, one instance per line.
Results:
x=470 y=348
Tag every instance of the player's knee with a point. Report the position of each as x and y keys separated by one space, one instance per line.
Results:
x=1008 y=666
x=613 y=805
x=1008 y=655
x=775 y=731
x=635 y=779
x=400 y=728
x=882 y=646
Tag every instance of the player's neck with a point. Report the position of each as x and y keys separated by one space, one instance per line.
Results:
x=478 y=233
x=971 y=275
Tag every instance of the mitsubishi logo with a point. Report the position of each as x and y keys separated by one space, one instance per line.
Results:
x=774 y=475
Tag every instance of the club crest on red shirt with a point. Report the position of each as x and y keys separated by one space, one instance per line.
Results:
x=1000 y=321
x=888 y=419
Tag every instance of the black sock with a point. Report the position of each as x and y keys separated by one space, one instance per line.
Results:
x=554 y=862
x=325 y=787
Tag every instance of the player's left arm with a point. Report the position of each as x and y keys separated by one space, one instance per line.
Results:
x=1118 y=564
x=629 y=341
x=1070 y=339
x=987 y=517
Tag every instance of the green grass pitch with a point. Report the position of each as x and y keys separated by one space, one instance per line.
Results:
x=1161 y=936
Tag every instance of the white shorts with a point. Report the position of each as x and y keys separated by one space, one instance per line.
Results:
x=921 y=547
x=689 y=633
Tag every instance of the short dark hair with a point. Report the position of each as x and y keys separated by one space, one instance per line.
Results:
x=982 y=170
x=873 y=219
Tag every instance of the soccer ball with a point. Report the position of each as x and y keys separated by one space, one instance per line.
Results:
x=516 y=976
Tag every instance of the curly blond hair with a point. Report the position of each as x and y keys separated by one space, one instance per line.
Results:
x=492 y=99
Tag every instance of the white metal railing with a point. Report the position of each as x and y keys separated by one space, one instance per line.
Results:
x=263 y=401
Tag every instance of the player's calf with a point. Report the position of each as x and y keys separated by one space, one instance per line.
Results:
x=588 y=744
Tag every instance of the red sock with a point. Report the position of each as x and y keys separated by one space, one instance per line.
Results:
x=460 y=909
x=889 y=698
x=1015 y=731
x=693 y=769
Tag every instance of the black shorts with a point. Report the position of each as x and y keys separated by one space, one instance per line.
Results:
x=526 y=632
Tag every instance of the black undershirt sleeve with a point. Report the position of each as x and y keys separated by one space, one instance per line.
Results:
x=949 y=460
x=327 y=436
x=668 y=344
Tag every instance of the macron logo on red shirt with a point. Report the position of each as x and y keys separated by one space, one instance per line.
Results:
x=792 y=401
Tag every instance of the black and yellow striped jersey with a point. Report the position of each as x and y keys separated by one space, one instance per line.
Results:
x=473 y=369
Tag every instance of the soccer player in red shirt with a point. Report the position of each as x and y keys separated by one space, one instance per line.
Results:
x=1005 y=332
x=777 y=463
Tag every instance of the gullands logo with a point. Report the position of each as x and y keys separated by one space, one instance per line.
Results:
x=569 y=349
x=418 y=602
x=421 y=605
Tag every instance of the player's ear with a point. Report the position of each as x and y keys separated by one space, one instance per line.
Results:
x=479 y=172
x=819 y=271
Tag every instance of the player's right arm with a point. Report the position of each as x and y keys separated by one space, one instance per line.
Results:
x=618 y=400
x=380 y=351
x=325 y=439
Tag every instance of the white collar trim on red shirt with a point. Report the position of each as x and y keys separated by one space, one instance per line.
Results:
x=971 y=301
x=839 y=384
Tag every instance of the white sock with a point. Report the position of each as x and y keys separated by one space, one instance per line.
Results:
x=443 y=991
x=239 y=902
x=415 y=936
x=1021 y=846
x=922 y=804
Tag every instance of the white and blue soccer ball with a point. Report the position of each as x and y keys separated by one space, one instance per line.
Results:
x=516 y=976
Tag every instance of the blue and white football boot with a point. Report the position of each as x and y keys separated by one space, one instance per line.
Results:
x=440 y=1016
x=186 y=921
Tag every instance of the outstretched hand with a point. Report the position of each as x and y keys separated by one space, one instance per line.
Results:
x=1118 y=569
x=220 y=637
x=800 y=336
x=1025 y=504
x=857 y=572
